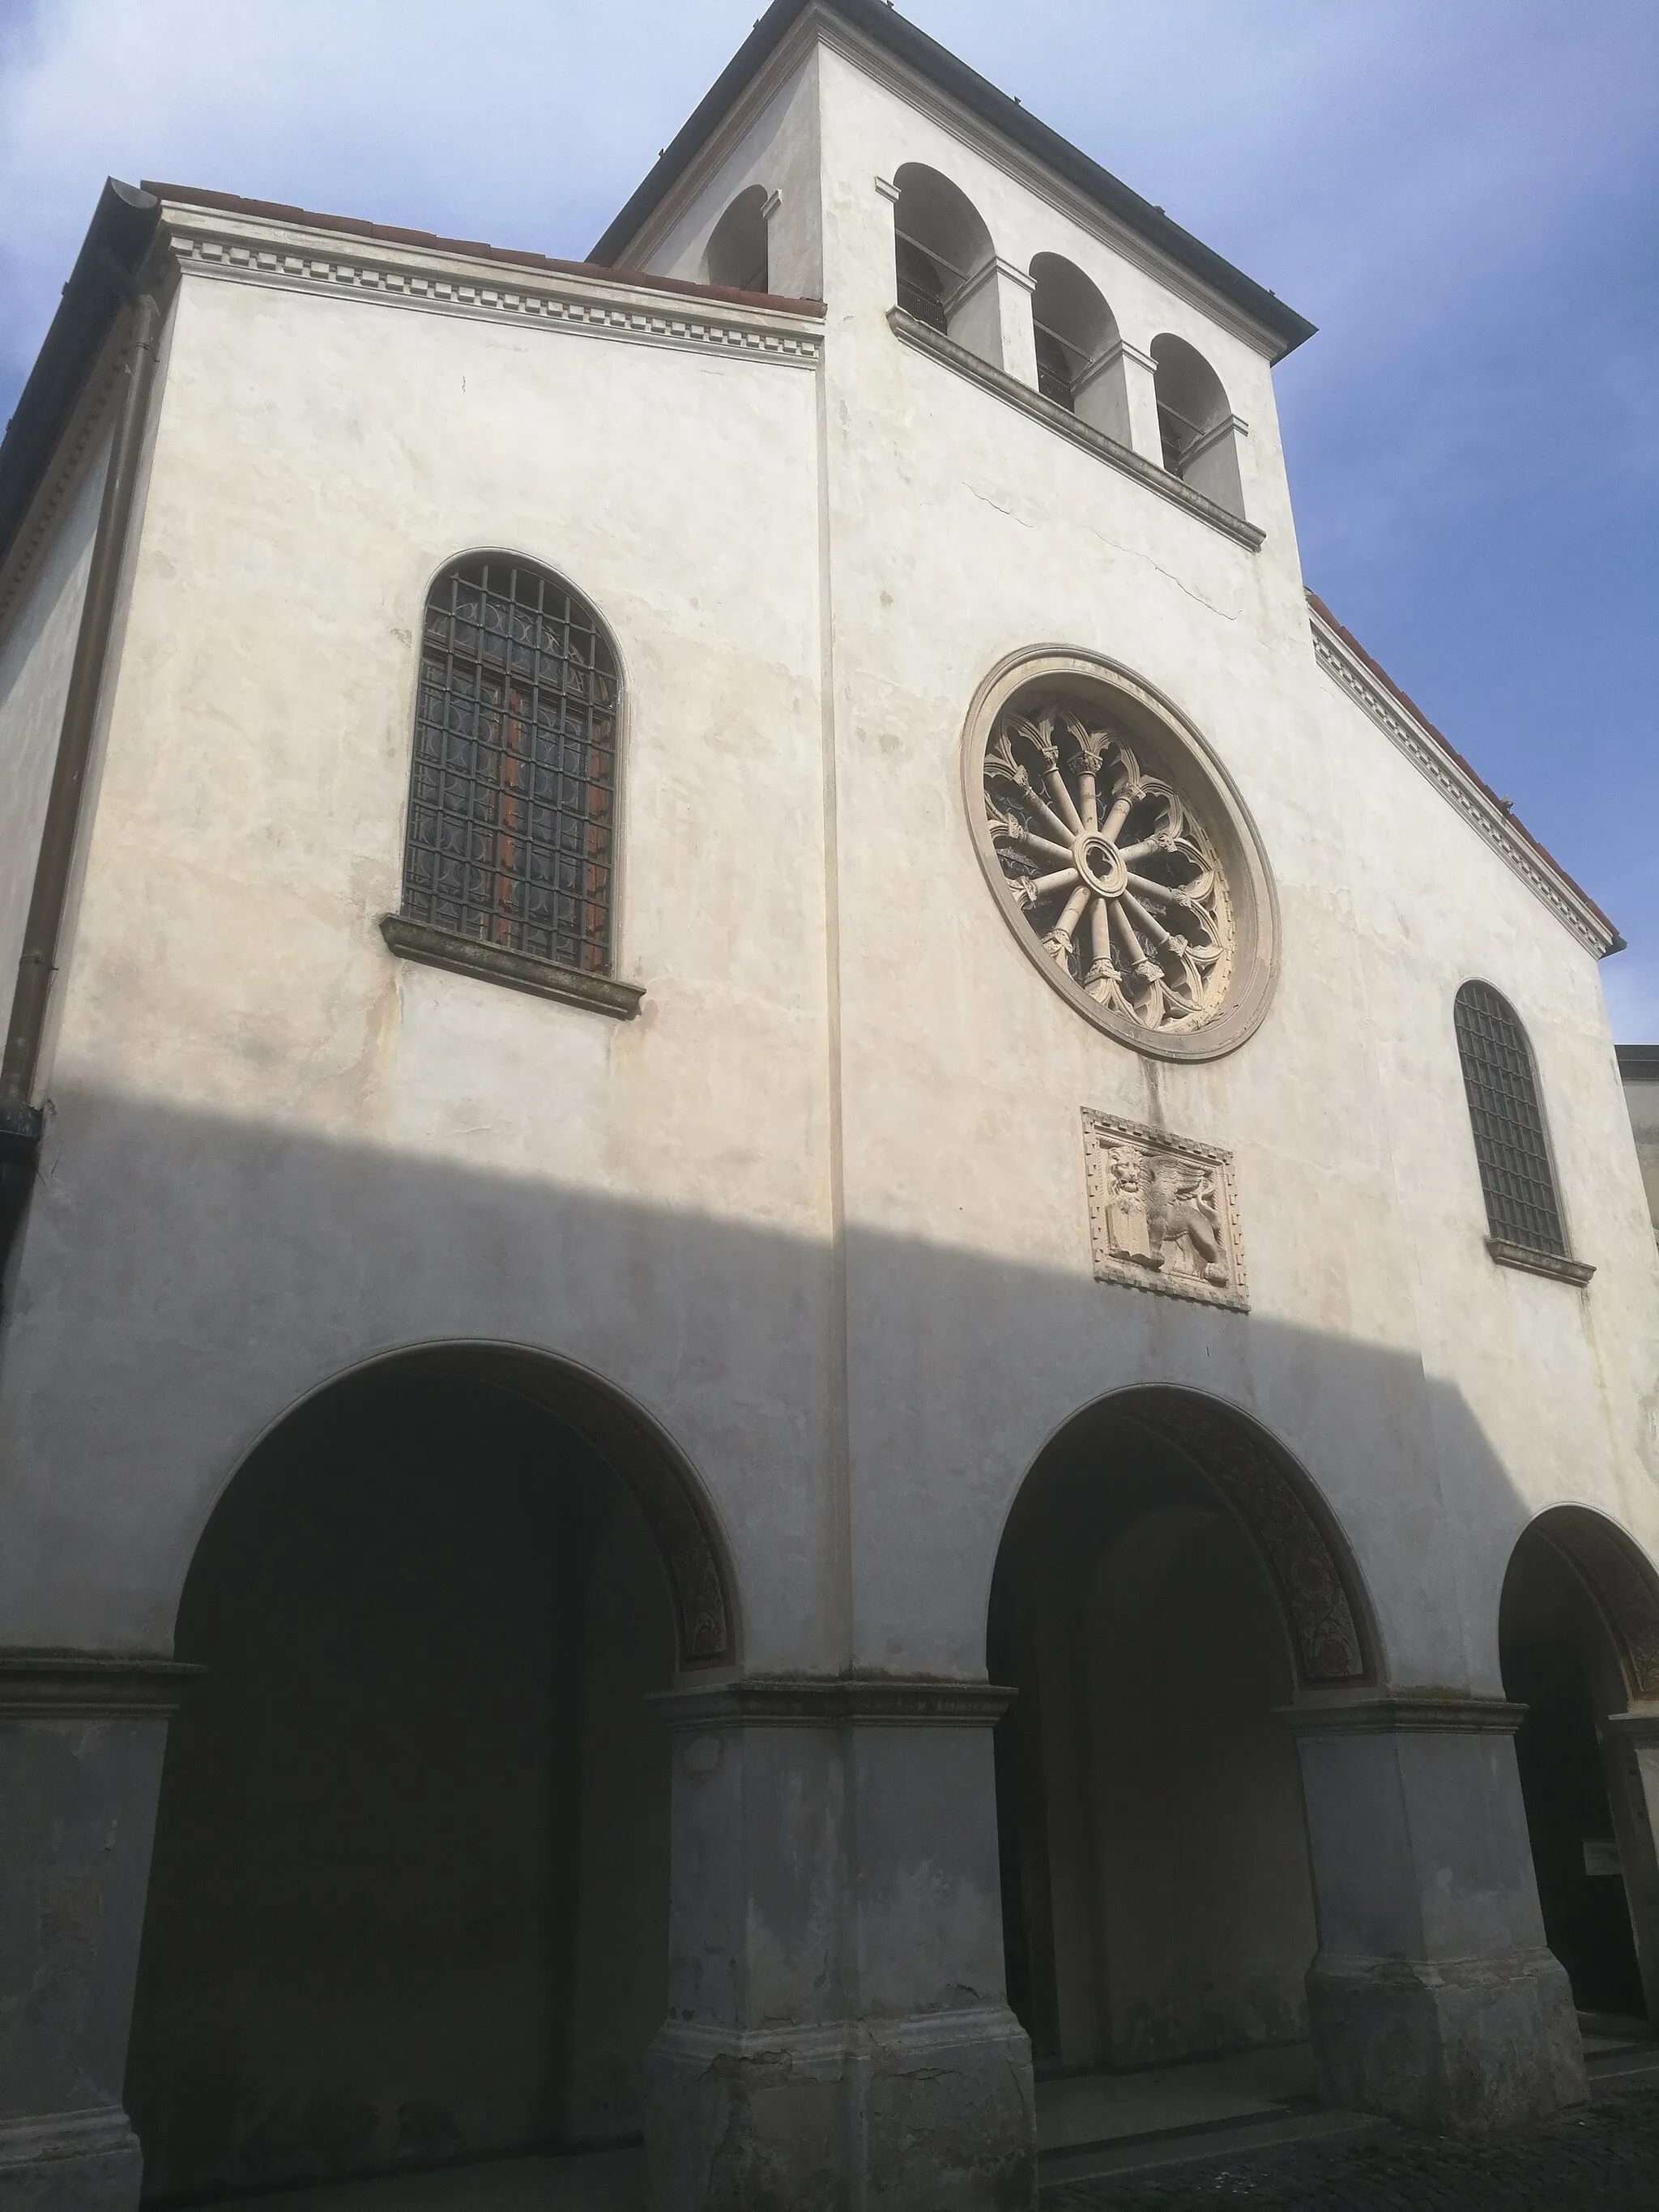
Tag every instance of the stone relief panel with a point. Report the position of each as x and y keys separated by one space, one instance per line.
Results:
x=1163 y=1213
x=1122 y=858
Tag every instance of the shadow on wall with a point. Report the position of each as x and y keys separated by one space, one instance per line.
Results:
x=1158 y=1902
x=269 y=1262
x=409 y=1898
x=239 y=1268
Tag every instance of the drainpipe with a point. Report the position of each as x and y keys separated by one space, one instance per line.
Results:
x=21 y=1120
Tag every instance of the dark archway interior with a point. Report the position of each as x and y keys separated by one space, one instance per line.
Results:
x=409 y=1902
x=1157 y=1897
x=1558 y=1661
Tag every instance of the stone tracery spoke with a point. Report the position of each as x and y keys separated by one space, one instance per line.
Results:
x=1069 y=807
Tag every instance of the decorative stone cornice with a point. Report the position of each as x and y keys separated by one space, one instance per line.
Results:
x=1637 y=1727
x=40 y=2139
x=1229 y=426
x=834 y=1700
x=995 y=270
x=1405 y=1712
x=925 y=339
x=50 y=1685
x=1555 y=1265
x=519 y=971
x=1433 y=759
x=285 y=255
x=1119 y=351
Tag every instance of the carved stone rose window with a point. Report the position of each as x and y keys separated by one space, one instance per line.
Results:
x=1121 y=856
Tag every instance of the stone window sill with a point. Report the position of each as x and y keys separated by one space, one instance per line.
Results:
x=519 y=971
x=927 y=340
x=1553 y=1264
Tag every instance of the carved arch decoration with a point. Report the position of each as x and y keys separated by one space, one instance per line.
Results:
x=648 y=1466
x=1121 y=852
x=633 y=1448
x=1318 y=1587
x=1620 y=1581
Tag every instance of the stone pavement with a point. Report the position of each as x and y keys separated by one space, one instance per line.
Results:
x=1602 y=2157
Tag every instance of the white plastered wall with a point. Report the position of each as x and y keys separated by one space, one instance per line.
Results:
x=37 y=650
x=775 y=146
x=1559 y=1387
x=964 y=530
x=299 y=1152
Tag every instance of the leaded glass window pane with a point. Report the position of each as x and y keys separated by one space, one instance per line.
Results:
x=512 y=787
x=1509 y=1128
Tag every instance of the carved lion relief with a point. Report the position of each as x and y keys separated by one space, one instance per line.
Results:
x=1163 y=1213
x=1122 y=858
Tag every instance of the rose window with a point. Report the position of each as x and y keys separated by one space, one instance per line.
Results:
x=1110 y=868
x=1120 y=854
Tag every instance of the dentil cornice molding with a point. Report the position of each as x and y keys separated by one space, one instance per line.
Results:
x=284 y=256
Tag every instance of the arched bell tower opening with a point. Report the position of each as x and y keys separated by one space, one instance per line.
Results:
x=409 y=1904
x=1578 y=1641
x=1166 y=1585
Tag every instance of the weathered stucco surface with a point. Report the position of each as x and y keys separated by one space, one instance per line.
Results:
x=818 y=1213
x=37 y=646
x=1642 y=1099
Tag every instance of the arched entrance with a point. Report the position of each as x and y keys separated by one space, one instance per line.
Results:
x=1579 y=1640
x=1167 y=1583
x=410 y=1893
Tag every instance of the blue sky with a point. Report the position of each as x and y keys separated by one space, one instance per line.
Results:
x=1463 y=194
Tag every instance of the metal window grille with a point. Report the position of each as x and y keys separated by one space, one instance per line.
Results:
x=512 y=793
x=1054 y=367
x=1177 y=436
x=920 y=285
x=1509 y=1128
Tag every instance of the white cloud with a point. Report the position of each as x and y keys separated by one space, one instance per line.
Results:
x=528 y=124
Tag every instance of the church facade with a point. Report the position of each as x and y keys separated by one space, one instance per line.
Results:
x=825 y=1290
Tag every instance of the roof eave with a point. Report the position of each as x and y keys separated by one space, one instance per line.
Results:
x=118 y=238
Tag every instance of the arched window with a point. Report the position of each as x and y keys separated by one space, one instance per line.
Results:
x=737 y=252
x=943 y=257
x=1509 y=1145
x=1074 y=329
x=1196 y=427
x=512 y=793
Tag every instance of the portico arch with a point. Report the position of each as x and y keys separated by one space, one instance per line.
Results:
x=1578 y=1641
x=1168 y=1582
x=409 y=1902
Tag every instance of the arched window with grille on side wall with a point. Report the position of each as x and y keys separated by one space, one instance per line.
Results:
x=511 y=834
x=1524 y=1210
